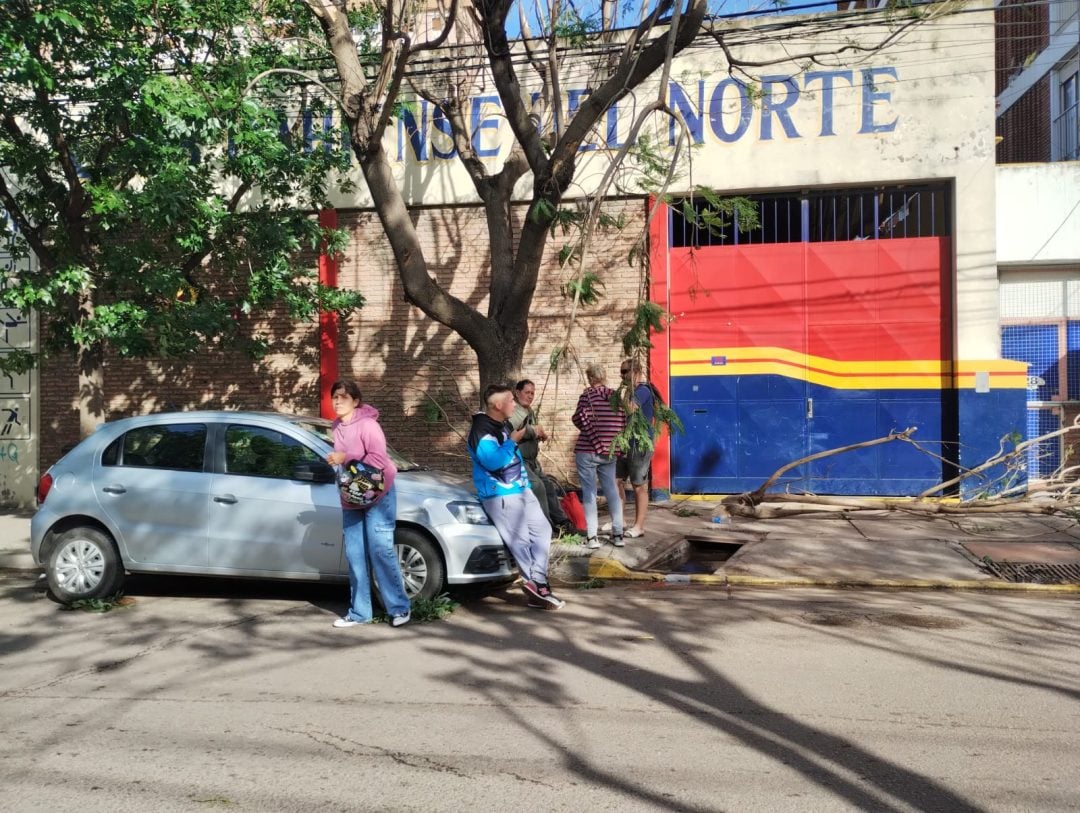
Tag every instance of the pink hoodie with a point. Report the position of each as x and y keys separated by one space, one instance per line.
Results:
x=362 y=439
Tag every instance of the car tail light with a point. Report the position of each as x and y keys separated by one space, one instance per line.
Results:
x=43 y=486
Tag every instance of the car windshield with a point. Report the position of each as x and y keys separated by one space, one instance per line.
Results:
x=320 y=428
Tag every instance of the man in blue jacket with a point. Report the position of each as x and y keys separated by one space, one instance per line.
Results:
x=502 y=483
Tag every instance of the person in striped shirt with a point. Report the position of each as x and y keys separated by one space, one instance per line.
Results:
x=594 y=456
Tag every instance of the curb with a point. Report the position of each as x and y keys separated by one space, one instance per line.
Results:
x=616 y=571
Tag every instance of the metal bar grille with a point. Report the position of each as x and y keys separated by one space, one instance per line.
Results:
x=1034 y=572
x=827 y=216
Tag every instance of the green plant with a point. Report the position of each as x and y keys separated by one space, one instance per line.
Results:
x=426 y=609
x=572 y=539
x=592 y=584
x=682 y=511
x=102 y=604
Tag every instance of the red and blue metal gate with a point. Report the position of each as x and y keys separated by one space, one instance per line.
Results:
x=777 y=350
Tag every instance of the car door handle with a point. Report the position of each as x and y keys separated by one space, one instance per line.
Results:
x=228 y=499
x=114 y=489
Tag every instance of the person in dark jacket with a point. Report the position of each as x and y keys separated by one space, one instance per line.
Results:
x=544 y=487
x=502 y=483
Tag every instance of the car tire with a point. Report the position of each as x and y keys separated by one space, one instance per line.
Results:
x=421 y=563
x=84 y=563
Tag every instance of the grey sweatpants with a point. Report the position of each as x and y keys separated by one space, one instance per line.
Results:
x=521 y=523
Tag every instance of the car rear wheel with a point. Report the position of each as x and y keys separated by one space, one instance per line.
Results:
x=84 y=563
x=421 y=564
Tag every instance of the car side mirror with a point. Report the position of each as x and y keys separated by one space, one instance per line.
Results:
x=313 y=472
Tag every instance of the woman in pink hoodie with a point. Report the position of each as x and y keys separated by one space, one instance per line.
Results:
x=369 y=530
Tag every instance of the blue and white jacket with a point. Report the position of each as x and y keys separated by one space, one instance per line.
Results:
x=498 y=469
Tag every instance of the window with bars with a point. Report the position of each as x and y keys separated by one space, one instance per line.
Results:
x=878 y=213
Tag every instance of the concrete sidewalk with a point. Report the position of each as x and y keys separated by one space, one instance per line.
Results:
x=15 y=542
x=860 y=549
x=857 y=549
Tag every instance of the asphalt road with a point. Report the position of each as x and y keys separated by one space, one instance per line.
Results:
x=230 y=696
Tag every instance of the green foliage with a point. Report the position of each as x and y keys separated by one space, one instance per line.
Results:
x=433 y=409
x=592 y=584
x=542 y=211
x=103 y=604
x=639 y=432
x=651 y=163
x=648 y=319
x=575 y=29
x=426 y=609
x=162 y=198
x=710 y=213
x=556 y=358
x=586 y=287
x=565 y=219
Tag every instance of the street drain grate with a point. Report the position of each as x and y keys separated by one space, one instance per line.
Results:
x=1034 y=572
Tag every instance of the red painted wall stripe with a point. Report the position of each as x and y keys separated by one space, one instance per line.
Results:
x=328 y=322
x=661 y=353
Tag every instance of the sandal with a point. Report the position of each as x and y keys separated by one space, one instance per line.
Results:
x=633 y=533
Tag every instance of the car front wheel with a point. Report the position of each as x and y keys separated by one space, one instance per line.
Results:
x=84 y=564
x=421 y=564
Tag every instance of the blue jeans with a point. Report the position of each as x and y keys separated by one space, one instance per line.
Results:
x=591 y=467
x=369 y=539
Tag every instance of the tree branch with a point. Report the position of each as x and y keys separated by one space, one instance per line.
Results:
x=30 y=232
x=492 y=15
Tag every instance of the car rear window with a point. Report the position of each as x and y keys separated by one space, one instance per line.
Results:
x=169 y=446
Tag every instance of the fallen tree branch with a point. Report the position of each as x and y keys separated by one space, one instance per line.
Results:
x=1001 y=458
x=754 y=497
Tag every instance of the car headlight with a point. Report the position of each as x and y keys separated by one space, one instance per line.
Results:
x=471 y=513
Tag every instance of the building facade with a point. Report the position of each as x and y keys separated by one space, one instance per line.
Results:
x=864 y=303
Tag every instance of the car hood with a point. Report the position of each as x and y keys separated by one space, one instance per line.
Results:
x=436 y=484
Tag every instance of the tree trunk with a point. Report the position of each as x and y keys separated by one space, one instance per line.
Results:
x=91 y=390
x=500 y=362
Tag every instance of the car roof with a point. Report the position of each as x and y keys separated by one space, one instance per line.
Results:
x=212 y=415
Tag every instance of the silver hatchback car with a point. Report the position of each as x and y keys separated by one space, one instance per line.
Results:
x=239 y=494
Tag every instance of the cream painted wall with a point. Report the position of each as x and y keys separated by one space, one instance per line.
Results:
x=1038 y=209
x=921 y=109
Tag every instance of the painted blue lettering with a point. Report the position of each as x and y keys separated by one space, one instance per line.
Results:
x=826 y=78
x=716 y=111
x=771 y=105
x=537 y=117
x=442 y=124
x=479 y=124
x=679 y=101
x=309 y=130
x=871 y=95
x=573 y=104
x=416 y=133
x=328 y=132
x=612 y=139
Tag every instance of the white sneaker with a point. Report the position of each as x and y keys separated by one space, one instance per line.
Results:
x=592 y=543
x=401 y=620
x=606 y=527
x=346 y=622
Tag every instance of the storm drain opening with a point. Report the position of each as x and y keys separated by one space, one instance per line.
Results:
x=698 y=556
x=1034 y=572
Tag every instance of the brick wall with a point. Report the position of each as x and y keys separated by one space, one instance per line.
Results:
x=406 y=362
x=403 y=360
x=1025 y=127
x=1022 y=29
x=221 y=377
